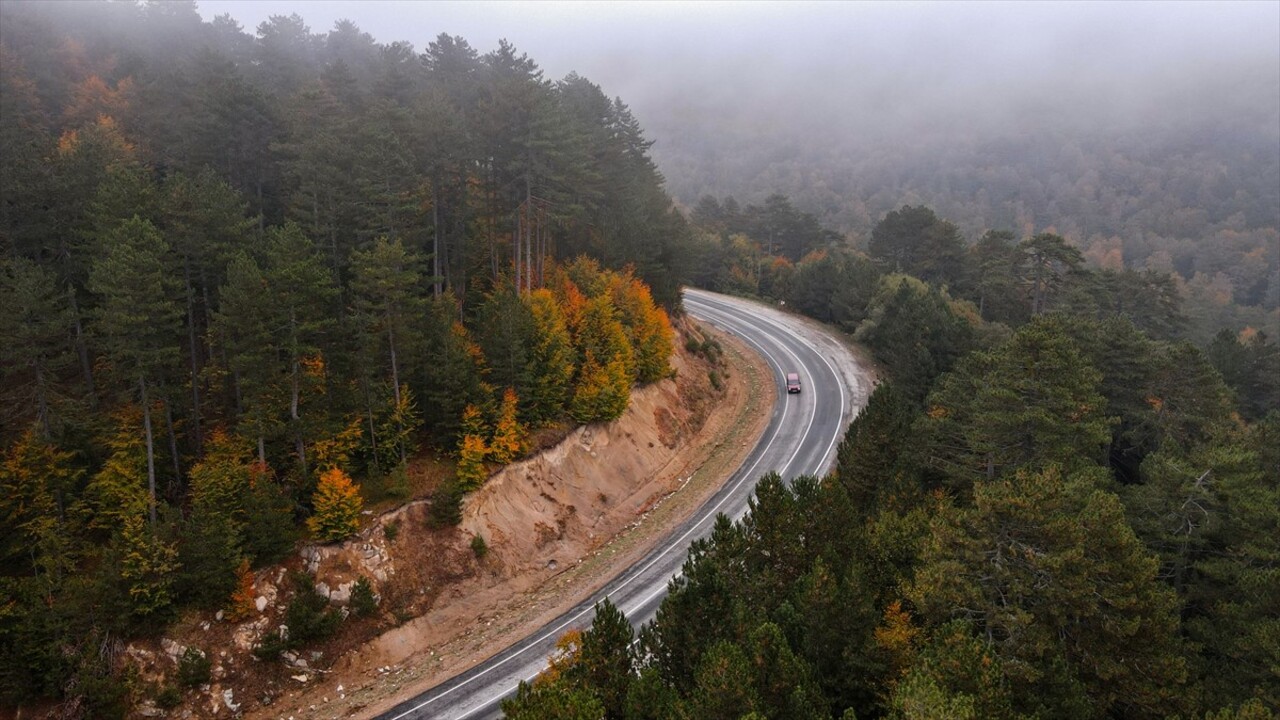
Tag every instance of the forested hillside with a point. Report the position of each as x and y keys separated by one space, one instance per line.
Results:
x=247 y=277
x=1192 y=190
x=1053 y=508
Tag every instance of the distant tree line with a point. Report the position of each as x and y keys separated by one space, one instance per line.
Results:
x=246 y=279
x=1052 y=508
x=1191 y=194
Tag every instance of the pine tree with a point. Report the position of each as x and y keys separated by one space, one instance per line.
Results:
x=1050 y=574
x=35 y=342
x=245 y=328
x=386 y=283
x=1033 y=401
x=138 y=318
x=300 y=292
x=336 y=507
x=605 y=662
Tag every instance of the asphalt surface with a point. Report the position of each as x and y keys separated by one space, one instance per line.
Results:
x=800 y=439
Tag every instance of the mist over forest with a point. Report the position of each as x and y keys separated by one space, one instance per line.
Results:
x=264 y=264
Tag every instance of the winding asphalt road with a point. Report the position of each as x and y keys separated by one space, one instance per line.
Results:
x=800 y=439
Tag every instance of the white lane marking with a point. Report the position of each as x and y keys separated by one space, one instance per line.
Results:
x=816 y=351
x=813 y=413
x=637 y=575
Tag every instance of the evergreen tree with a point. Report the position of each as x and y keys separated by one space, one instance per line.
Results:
x=1049 y=572
x=35 y=342
x=915 y=241
x=387 y=285
x=1029 y=403
x=137 y=318
x=605 y=663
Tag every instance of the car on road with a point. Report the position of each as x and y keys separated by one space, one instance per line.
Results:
x=793 y=383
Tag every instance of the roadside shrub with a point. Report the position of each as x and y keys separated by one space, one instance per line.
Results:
x=363 y=601
x=391 y=530
x=168 y=697
x=308 y=616
x=446 y=506
x=194 y=668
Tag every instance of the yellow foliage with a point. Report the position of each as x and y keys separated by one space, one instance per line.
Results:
x=897 y=635
x=313 y=366
x=241 y=604
x=566 y=655
x=509 y=436
x=337 y=505
x=336 y=451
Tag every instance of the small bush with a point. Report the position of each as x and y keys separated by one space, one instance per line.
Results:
x=391 y=530
x=396 y=483
x=168 y=697
x=446 y=506
x=716 y=382
x=363 y=602
x=308 y=618
x=194 y=668
x=270 y=647
x=479 y=547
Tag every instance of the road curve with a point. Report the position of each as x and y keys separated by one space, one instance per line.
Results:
x=800 y=439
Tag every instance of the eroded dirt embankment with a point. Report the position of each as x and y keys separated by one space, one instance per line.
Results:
x=557 y=525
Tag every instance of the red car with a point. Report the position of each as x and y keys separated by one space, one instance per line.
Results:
x=793 y=383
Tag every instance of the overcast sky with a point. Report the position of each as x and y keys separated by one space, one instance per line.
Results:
x=816 y=61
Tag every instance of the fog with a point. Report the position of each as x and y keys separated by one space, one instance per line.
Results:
x=864 y=67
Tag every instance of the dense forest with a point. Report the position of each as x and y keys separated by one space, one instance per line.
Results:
x=1055 y=507
x=248 y=278
x=1191 y=190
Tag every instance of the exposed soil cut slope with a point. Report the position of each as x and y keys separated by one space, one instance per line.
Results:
x=556 y=525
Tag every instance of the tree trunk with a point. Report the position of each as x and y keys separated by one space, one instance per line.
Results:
x=151 y=455
x=294 y=391
x=42 y=402
x=395 y=380
x=435 y=238
x=195 y=361
x=173 y=446
x=82 y=350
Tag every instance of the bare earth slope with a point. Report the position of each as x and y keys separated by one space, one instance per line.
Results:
x=557 y=526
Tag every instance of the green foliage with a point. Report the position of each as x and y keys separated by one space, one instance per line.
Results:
x=148 y=568
x=479 y=547
x=363 y=602
x=605 y=663
x=1047 y=569
x=915 y=241
x=194 y=668
x=912 y=329
x=446 y=506
x=35 y=343
x=1030 y=402
x=551 y=702
x=308 y=615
